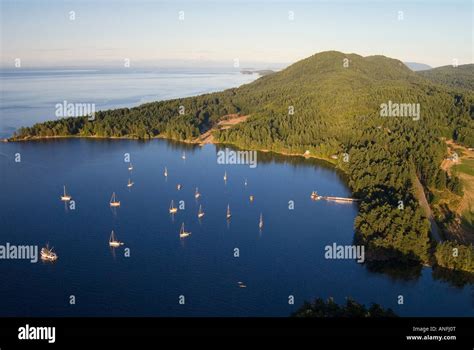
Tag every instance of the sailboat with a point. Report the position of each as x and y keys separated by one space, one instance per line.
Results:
x=183 y=233
x=173 y=209
x=178 y=187
x=113 y=201
x=166 y=172
x=251 y=198
x=260 y=223
x=197 y=194
x=245 y=182
x=315 y=196
x=130 y=183
x=228 y=212
x=183 y=156
x=200 y=212
x=130 y=166
x=225 y=175
x=65 y=197
x=48 y=254
x=113 y=242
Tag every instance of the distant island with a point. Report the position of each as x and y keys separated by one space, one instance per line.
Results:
x=415 y=66
x=261 y=72
x=330 y=106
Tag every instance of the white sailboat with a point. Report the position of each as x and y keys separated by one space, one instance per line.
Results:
x=245 y=182
x=197 y=194
x=183 y=156
x=260 y=223
x=225 y=175
x=65 y=197
x=113 y=242
x=113 y=201
x=130 y=166
x=228 y=215
x=178 y=187
x=183 y=233
x=173 y=209
x=166 y=172
x=130 y=183
x=47 y=254
x=200 y=212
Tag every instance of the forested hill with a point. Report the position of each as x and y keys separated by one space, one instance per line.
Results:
x=457 y=77
x=329 y=104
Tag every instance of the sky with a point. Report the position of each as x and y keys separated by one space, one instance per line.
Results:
x=261 y=33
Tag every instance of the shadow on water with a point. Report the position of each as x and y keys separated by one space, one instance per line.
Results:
x=457 y=279
x=295 y=161
x=395 y=270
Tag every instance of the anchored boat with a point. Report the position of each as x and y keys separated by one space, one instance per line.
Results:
x=228 y=215
x=197 y=194
x=113 y=242
x=48 y=254
x=183 y=233
x=200 y=212
x=173 y=209
x=65 y=197
x=113 y=201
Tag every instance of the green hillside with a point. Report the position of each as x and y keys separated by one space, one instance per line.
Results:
x=336 y=110
x=457 y=77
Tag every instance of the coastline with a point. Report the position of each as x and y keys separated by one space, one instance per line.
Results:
x=196 y=141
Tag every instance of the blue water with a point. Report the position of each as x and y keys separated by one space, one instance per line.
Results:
x=286 y=258
x=30 y=96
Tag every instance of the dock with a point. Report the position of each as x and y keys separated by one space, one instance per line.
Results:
x=315 y=196
x=340 y=199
